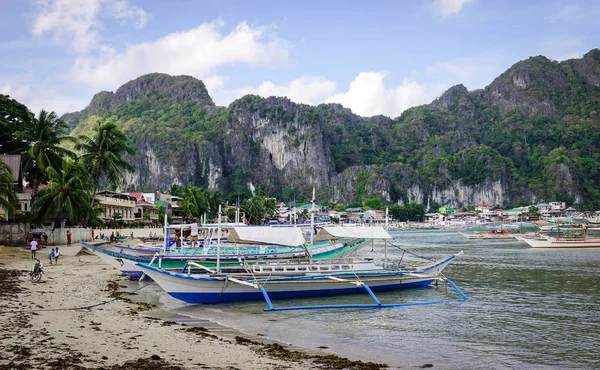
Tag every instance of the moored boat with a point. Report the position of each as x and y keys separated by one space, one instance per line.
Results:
x=488 y=235
x=562 y=241
x=291 y=245
x=277 y=281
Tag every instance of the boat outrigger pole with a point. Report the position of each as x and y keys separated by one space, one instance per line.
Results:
x=377 y=304
x=219 y=242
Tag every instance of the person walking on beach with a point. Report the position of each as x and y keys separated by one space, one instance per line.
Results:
x=68 y=238
x=52 y=256
x=56 y=255
x=33 y=247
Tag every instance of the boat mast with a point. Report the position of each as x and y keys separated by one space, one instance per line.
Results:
x=166 y=227
x=387 y=212
x=219 y=241
x=312 y=223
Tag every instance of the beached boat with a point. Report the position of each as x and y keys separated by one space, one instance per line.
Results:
x=269 y=245
x=300 y=279
x=287 y=280
x=562 y=241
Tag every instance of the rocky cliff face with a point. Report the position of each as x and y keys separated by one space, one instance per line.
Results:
x=491 y=145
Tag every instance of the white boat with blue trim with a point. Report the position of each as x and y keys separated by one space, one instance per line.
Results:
x=288 y=280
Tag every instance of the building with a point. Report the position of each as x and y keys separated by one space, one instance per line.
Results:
x=174 y=206
x=483 y=207
x=558 y=206
x=116 y=203
x=375 y=215
x=144 y=206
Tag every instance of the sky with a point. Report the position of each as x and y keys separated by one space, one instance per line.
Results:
x=374 y=57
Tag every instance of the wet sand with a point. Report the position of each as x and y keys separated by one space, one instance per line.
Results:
x=79 y=316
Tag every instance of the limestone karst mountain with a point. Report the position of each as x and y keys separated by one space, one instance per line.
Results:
x=532 y=134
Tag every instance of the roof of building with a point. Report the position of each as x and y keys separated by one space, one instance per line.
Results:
x=542 y=205
x=112 y=194
x=137 y=194
x=28 y=189
x=14 y=162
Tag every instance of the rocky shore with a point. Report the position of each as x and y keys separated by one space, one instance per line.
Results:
x=79 y=316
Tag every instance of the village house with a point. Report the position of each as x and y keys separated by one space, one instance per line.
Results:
x=114 y=203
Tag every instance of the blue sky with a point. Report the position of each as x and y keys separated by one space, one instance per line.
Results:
x=377 y=57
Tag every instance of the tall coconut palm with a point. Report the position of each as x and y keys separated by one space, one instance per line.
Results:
x=45 y=135
x=67 y=195
x=254 y=208
x=8 y=197
x=103 y=153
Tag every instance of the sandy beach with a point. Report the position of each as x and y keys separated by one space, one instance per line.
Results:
x=80 y=317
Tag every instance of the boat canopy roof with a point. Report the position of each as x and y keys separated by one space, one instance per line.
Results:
x=364 y=232
x=287 y=236
x=206 y=226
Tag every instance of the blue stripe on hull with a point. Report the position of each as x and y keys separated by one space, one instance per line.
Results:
x=132 y=274
x=231 y=297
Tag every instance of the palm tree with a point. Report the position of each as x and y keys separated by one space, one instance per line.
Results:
x=102 y=154
x=161 y=213
x=8 y=197
x=67 y=195
x=45 y=135
x=254 y=209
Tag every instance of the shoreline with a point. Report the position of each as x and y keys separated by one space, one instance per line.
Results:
x=80 y=317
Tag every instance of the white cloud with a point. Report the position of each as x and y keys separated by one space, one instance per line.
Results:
x=306 y=90
x=196 y=52
x=368 y=95
x=444 y=8
x=572 y=55
x=76 y=23
x=38 y=98
x=474 y=72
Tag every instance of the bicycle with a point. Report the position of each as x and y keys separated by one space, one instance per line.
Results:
x=36 y=272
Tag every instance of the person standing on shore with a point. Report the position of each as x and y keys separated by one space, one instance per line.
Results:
x=33 y=247
x=68 y=238
x=56 y=254
x=194 y=234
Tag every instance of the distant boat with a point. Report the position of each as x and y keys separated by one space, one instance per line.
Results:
x=489 y=235
x=561 y=241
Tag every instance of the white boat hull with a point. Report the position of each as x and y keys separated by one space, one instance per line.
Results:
x=549 y=242
x=224 y=288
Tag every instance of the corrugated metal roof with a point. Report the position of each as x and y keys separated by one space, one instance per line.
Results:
x=14 y=162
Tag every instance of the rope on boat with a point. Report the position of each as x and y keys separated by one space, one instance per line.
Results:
x=409 y=252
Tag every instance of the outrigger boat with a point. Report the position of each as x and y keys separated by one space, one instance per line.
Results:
x=293 y=279
x=270 y=245
x=562 y=241
x=505 y=235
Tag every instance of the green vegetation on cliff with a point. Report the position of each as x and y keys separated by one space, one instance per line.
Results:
x=535 y=129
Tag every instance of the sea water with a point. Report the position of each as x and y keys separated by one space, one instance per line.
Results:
x=528 y=308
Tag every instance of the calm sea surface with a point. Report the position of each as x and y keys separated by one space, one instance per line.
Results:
x=528 y=308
